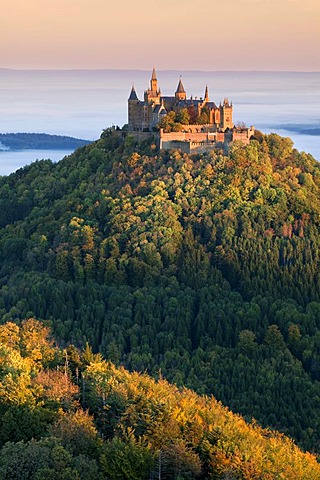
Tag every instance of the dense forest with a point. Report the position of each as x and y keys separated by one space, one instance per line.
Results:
x=70 y=415
x=24 y=141
x=203 y=267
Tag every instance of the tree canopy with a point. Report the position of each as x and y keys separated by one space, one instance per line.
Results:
x=205 y=267
x=117 y=425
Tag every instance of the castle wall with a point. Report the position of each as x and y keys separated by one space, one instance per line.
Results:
x=197 y=142
x=183 y=136
x=220 y=137
x=191 y=141
x=243 y=135
x=197 y=128
x=192 y=147
x=192 y=136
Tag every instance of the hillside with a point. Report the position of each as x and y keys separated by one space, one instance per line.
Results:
x=42 y=141
x=70 y=415
x=206 y=267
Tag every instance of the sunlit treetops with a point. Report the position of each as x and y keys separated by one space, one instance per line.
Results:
x=80 y=415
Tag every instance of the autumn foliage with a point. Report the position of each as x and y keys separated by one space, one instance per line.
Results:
x=206 y=267
x=122 y=425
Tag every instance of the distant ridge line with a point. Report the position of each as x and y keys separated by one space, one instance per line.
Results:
x=142 y=70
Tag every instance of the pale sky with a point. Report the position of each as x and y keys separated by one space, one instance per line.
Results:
x=170 y=34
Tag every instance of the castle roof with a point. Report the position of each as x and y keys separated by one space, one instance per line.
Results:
x=159 y=109
x=210 y=105
x=168 y=99
x=133 y=94
x=189 y=102
x=154 y=75
x=180 y=88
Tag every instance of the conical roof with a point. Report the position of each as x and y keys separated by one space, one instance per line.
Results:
x=154 y=75
x=180 y=88
x=133 y=95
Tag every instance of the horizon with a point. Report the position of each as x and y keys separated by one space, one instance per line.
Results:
x=148 y=70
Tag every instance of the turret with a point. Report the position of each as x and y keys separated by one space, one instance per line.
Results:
x=180 y=92
x=133 y=109
x=133 y=95
x=226 y=114
x=154 y=81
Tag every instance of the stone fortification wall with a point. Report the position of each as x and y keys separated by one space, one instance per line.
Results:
x=197 y=128
x=184 y=136
x=191 y=137
x=243 y=135
x=193 y=147
x=240 y=136
x=194 y=142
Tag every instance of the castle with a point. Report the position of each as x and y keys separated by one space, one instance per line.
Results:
x=208 y=125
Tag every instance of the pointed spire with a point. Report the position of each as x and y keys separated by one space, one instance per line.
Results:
x=162 y=107
x=206 y=94
x=154 y=82
x=133 y=94
x=180 y=88
x=154 y=75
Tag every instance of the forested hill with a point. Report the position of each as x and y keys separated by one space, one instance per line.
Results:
x=70 y=415
x=206 y=267
x=23 y=141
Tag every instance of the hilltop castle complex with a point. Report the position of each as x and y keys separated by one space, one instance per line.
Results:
x=204 y=125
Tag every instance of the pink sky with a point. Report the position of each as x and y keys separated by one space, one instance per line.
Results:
x=171 y=34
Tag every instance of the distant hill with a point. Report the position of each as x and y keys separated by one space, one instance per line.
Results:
x=42 y=141
x=303 y=129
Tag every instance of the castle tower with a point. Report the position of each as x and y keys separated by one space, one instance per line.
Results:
x=152 y=95
x=180 y=93
x=133 y=95
x=226 y=110
x=134 y=110
x=154 y=81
